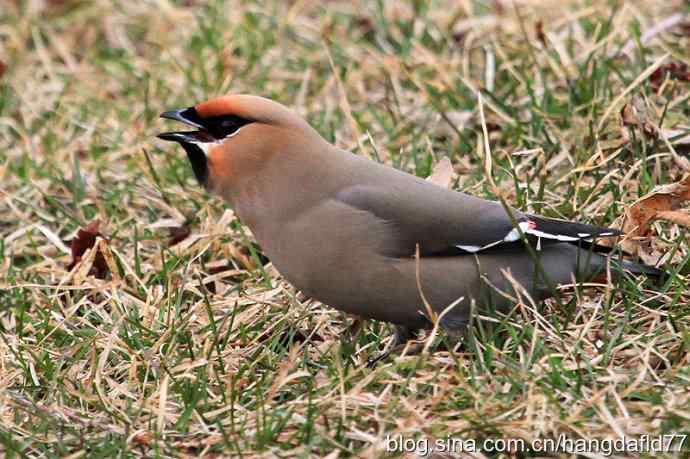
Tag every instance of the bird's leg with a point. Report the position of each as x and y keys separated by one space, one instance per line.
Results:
x=401 y=336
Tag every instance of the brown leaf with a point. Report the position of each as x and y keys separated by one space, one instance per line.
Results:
x=685 y=28
x=242 y=255
x=539 y=29
x=662 y=203
x=3 y=67
x=365 y=25
x=634 y=113
x=143 y=438
x=178 y=234
x=85 y=240
x=356 y=325
x=459 y=38
x=675 y=216
x=629 y=115
x=673 y=70
x=646 y=209
x=442 y=174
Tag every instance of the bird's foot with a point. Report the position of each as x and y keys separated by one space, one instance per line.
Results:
x=400 y=338
x=372 y=362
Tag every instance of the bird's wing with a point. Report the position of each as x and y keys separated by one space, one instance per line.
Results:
x=446 y=222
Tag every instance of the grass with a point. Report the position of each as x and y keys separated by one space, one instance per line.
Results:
x=200 y=348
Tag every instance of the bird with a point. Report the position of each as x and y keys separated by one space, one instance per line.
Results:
x=371 y=240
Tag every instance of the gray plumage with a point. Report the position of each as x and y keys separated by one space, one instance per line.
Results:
x=344 y=229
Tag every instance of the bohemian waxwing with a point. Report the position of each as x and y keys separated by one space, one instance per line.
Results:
x=346 y=230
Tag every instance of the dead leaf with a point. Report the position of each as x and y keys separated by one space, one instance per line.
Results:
x=629 y=115
x=142 y=438
x=673 y=70
x=356 y=325
x=647 y=208
x=3 y=67
x=661 y=204
x=459 y=38
x=675 y=216
x=539 y=29
x=365 y=25
x=685 y=28
x=178 y=234
x=442 y=174
x=85 y=240
x=634 y=113
x=242 y=255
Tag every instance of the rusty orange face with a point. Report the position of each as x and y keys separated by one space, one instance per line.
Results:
x=215 y=122
x=236 y=136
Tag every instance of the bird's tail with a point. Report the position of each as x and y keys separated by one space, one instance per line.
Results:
x=595 y=264
x=640 y=268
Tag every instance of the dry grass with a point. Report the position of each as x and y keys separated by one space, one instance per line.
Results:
x=199 y=349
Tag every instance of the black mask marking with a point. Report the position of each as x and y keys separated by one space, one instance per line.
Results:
x=218 y=126
x=211 y=130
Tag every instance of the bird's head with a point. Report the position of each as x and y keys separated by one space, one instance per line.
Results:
x=235 y=136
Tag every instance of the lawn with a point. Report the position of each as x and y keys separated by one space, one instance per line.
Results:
x=139 y=318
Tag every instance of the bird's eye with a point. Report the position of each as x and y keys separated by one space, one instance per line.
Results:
x=224 y=126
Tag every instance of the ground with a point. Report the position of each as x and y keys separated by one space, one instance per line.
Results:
x=160 y=330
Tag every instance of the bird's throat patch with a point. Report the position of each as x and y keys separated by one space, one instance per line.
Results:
x=199 y=161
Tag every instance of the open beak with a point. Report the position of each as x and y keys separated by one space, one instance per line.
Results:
x=190 y=117
x=185 y=115
x=186 y=136
x=193 y=142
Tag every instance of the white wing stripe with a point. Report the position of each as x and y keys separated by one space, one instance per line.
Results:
x=529 y=227
x=558 y=237
x=469 y=248
x=513 y=235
